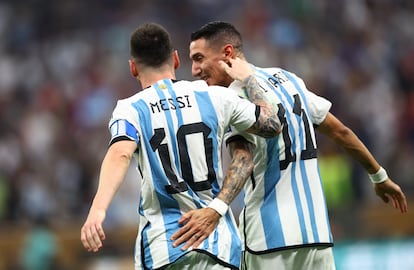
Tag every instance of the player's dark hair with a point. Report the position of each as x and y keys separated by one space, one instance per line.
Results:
x=218 y=34
x=151 y=45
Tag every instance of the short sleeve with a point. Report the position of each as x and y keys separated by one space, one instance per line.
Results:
x=318 y=107
x=234 y=132
x=122 y=124
x=242 y=112
x=122 y=129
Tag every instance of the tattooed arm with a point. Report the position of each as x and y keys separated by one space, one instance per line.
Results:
x=268 y=124
x=200 y=223
x=240 y=168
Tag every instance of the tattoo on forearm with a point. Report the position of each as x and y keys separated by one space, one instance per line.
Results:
x=268 y=123
x=236 y=177
x=254 y=91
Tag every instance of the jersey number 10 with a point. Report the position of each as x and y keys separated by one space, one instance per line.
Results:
x=186 y=169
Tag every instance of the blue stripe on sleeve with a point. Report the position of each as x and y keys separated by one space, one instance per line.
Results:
x=122 y=127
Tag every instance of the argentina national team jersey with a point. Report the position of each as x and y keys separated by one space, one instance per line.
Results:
x=179 y=128
x=284 y=201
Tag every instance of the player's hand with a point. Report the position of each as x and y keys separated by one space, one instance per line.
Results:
x=389 y=190
x=198 y=225
x=92 y=233
x=237 y=68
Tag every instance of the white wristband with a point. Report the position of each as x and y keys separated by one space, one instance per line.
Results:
x=379 y=177
x=218 y=205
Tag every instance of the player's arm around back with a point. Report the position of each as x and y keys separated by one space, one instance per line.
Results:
x=268 y=124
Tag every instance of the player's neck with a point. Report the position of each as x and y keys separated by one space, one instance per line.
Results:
x=149 y=78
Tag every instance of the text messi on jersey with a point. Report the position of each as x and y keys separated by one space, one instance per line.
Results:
x=166 y=104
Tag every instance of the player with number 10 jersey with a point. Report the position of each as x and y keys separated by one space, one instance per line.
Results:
x=179 y=178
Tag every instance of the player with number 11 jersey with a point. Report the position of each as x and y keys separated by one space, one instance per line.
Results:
x=284 y=199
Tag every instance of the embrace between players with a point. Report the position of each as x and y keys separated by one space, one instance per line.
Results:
x=267 y=119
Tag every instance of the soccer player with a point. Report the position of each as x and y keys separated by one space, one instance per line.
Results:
x=284 y=224
x=174 y=129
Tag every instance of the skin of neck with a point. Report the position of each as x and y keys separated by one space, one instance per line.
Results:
x=149 y=76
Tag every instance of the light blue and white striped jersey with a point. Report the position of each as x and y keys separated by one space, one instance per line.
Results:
x=284 y=201
x=179 y=128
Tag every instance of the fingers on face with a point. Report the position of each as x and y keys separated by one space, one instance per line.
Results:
x=223 y=65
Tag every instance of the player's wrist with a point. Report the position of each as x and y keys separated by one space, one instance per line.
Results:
x=219 y=206
x=379 y=177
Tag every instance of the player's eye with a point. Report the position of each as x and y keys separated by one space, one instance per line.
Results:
x=197 y=58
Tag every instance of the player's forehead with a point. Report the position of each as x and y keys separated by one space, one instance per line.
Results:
x=200 y=47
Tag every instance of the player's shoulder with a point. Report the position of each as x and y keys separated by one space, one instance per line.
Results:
x=272 y=70
x=127 y=102
x=258 y=68
x=280 y=74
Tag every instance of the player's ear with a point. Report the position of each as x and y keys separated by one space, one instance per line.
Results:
x=133 y=68
x=176 y=60
x=228 y=51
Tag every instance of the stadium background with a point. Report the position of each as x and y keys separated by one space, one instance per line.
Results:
x=64 y=63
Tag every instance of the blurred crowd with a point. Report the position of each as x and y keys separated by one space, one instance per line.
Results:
x=63 y=65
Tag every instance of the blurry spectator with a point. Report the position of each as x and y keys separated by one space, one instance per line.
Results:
x=40 y=248
x=336 y=172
